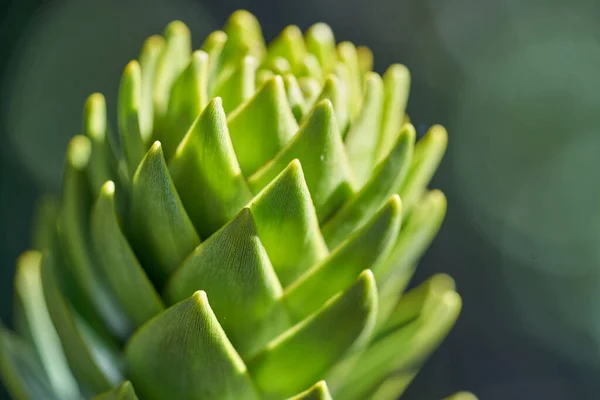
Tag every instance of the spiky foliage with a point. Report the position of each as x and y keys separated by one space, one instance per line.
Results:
x=244 y=242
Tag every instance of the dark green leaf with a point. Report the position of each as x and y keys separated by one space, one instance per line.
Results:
x=118 y=263
x=162 y=231
x=130 y=97
x=149 y=56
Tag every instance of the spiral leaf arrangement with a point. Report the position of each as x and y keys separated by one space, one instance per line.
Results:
x=243 y=239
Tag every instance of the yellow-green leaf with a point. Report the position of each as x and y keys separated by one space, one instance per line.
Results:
x=207 y=174
x=124 y=391
x=233 y=268
x=300 y=356
x=239 y=86
x=284 y=209
x=364 y=249
x=318 y=145
x=149 y=56
x=260 y=127
x=318 y=391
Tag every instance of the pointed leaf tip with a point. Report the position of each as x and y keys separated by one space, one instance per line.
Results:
x=261 y=126
x=284 y=209
x=318 y=146
x=319 y=391
x=207 y=174
x=166 y=356
x=344 y=322
x=165 y=240
x=243 y=291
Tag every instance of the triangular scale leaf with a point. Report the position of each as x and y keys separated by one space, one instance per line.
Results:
x=261 y=127
x=294 y=95
x=385 y=180
x=364 y=249
x=318 y=145
x=213 y=46
x=184 y=353
x=318 y=391
x=124 y=391
x=289 y=45
x=365 y=59
x=345 y=321
x=335 y=91
x=284 y=209
x=346 y=52
x=163 y=241
x=244 y=37
x=233 y=268
x=206 y=173
x=119 y=265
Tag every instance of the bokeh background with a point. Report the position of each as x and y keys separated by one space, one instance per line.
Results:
x=517 y=84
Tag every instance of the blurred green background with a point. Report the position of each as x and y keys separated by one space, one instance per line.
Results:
x=515 y=82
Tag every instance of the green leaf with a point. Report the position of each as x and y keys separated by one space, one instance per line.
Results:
x=416 y=235
x=84 y=362
x=244 y=289
x=188 y=98
x=335 y=91
x=320 y=41
x=163 y=241
x=396 y=86
x=345 y=321
x=346 y=52
x=364 y=249
x=213 y=46
x=22 y=373
x=416 y=302
x=124 y=391
x=391 y=387
x=149 y=56
x=171 y=62
x=428 y=154
x=103 y=162
x=363 y=136
x=184 y=353
x=29 y=291
x=244 y=36
x=311 y=88
x=310 y=67
x=239 y=86
x=284 y=209
x=130 y=97
x=411 y=344
x=73 y=233
x=44 y=222
x=385 y=180
x=289 y=45
x=365 y=59
x=118 y=263
x=462 y=396
x=206 y=173
x=260 y=127
x=294 y=96
x=318 y=391
x=318 y=145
